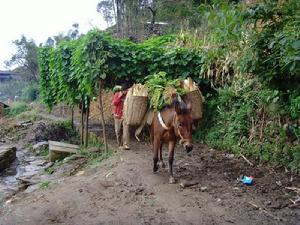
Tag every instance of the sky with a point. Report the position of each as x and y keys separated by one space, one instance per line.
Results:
x=40 y=19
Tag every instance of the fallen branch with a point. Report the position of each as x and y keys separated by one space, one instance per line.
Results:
x=295 y=202
x=294 y=206
x=295 y=189
x=250 y=163
x=185 y=183
x=25 y=123
x=265 y=211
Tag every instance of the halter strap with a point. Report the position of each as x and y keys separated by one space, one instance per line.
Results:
x=182 y=139
x=161 y=121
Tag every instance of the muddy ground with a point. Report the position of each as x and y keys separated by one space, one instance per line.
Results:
x=123 y=190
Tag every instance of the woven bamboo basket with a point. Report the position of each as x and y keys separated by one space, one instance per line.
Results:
x=195 y=97
x=135 y=110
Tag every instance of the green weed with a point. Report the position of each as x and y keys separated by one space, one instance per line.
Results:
x=44 y=184
x=16 y=109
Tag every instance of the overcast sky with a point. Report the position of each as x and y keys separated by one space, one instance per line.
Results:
x=40 y=19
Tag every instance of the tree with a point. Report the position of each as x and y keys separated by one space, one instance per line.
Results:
x=106 y=8
x=26 y=57
x=138 y=18
x=73 y=33
x=50 y=42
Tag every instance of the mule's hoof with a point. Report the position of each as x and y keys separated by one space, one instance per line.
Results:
x=172 y=180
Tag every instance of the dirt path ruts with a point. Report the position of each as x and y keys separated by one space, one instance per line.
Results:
x=123 y=190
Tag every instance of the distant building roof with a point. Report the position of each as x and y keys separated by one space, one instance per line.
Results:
x=4 y=105
x=6 y=75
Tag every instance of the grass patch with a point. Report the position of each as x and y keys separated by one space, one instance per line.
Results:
x=95 y=158
x=32 y=115
x=45 y=184
x=44 y=151
x=16 y=109
x=29 y=146
x=50 y=170
x=94 y=142
x=94 y=153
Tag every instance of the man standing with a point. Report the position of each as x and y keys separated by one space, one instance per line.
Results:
x=118 y=102
x=118 y=112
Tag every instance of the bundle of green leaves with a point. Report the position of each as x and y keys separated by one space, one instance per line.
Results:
x=162 y=90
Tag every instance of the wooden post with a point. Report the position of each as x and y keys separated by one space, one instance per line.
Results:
x=102 y=116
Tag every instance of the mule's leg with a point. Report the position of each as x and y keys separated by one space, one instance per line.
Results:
x=163 y=165
x=156 y=146
x=171 y=159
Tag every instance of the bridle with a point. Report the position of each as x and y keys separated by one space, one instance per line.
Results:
x=175 y=126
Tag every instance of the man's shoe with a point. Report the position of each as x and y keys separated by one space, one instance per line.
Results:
x=126 y=147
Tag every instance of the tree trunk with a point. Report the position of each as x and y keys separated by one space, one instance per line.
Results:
x=102 y=117
x=82 y=124
x=86 y=137
x=118 y=6
x=72 y=117
x=153 y=10
x=115 y=6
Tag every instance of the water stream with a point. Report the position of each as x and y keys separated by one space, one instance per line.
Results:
x=26 y=165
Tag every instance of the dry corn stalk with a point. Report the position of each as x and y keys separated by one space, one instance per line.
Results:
x=189 y=85
x=139 y=90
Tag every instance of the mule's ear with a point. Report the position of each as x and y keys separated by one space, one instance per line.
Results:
x=189 y=106
x=177 y=107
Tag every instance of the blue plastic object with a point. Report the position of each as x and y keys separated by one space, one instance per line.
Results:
x=247 y=180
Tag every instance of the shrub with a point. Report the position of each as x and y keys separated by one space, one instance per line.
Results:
x=244 y=118
x=16 y=109
x=30 y=92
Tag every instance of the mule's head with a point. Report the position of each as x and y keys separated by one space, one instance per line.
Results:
x=183 y=123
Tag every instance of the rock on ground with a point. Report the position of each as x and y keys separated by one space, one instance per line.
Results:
x=7 y=156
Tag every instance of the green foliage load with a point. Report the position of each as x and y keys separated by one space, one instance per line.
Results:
x=161 y=88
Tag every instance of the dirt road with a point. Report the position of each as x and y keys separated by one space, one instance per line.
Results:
x=123 y=190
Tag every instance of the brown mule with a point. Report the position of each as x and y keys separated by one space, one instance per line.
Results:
x=169 y=125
